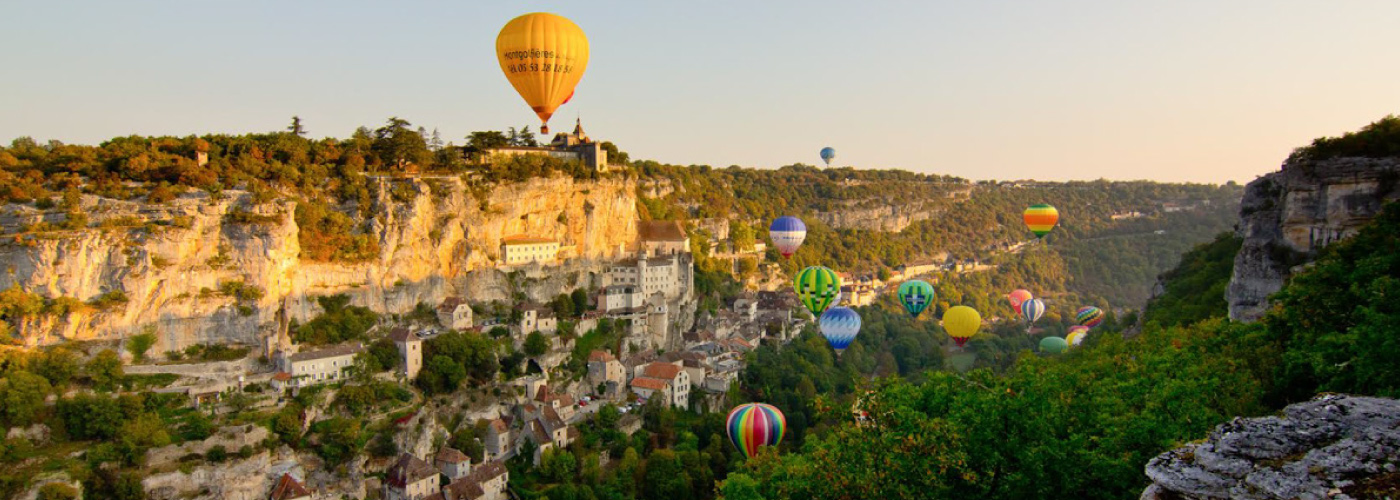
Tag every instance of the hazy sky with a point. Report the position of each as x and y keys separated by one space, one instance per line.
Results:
x=1204 y=91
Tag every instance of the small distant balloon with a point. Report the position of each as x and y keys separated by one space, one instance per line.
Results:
x=915 y=295
x=1032 y=310
x=1040 y=219
x=1089 y=316
x=787 y=233
x=1053 y=345
x=840 y=325
x=818 y=288
x=961 y=323
x=753 y=425
x=828 y=154
x=1017 y=297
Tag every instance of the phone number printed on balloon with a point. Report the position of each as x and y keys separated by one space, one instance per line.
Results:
x=539 y=68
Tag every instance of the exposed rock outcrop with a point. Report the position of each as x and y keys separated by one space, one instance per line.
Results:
x=1329 y=447
x=887 y=218
x=439 y=240
x=1287 y=216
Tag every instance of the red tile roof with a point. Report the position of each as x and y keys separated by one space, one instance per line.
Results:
x=600 y=356
x=287 y=488
x=408 y=470
x=660 y=230
x=525 y=240
x=282 y=376
x=451 y=455
x=649 y=383
x=664 y=371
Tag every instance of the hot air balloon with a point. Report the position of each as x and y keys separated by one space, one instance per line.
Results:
x=961 y=323
x=828 y=153
x=787 y=233
x=840 y=325
x=1041 y=219
x=1032 y=310
x=1053 y=344
x=916 y=295
x=544 y=56
x=1089 y=316
x=753 y=425
x=818 y=288
x=1017 y=297
x=1076 y=335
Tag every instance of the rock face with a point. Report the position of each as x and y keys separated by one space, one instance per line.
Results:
x=1287 y=216
x=1324 y=448
x=887 y=218
x=439 y=240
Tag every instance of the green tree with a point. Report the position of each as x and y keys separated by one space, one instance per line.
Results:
x=558 y=465
x=742 y=235
x=740 y=487
x=138 y=344
x=399 y=145
x=58 y=365
x=142 y=433
x=580 y=300
x=536 y=344
x=665 y=477
x=105 y=370
x=295 y=128
x=23 y=395
x=441 y=375
x=563 y=306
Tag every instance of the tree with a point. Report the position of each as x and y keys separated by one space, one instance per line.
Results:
x=740 y=486
x=536 y=344
x=742 y=235
x=23 y=395
x=558 y=465
x=524 y=137
x=563 y=306
x=580 y=299
x=197 y=427
x=138 y=344
x=665 y=477
x=58 y=365
x=295 y=128
x=468 y=441
x=142 y=433
x=216 y=454
x=607 y=417
x=484 y=140
x=105 y=370
x=398 y=145
x=383 y=446
x=441 y=375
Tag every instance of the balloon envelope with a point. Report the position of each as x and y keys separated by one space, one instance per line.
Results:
x=961 y=323
x=1053 y=344
x=1041 y=219
x=818 y=288
x=544 y=56
x=915 y=295
x=1032 y=310
x=753 y=425
x=1089 y=316
x=787 y=233
x=1076 y=336
x=828 y=153
x=840 y=325
x=1017 y=297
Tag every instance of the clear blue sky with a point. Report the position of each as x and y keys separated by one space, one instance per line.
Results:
x=1192 y=90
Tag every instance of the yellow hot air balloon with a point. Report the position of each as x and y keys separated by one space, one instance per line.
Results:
x=543 y=55
x=961 y=323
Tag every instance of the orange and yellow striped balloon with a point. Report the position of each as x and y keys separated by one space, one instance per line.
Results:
x=543 y=55
x=1041 y=219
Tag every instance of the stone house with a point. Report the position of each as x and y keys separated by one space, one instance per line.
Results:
x=410 y=479
x=315 y=367
x=455 y=314
x=537 y=318
x=453 y=463
x=604 y=368
x=675 y=378
x=498 y=439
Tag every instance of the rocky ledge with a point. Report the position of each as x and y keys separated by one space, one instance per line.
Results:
x=1333 y=447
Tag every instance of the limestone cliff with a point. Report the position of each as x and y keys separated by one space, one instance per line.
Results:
x=1331 y=447
x=1287 y=216
x=883 y=217
x=170 y=259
